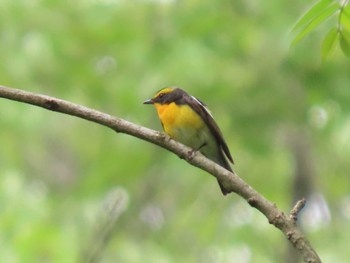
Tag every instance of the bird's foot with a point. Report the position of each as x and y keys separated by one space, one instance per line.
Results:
x=192 y=152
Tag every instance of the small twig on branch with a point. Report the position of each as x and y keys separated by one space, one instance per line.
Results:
x=297 y=208
x=230 y=181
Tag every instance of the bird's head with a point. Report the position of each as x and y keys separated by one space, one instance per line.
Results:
x=166 y=96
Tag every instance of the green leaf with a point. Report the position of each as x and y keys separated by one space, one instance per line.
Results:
x=345 y=42
x=346 y=9
x=313 y=12
x=326 y=13
x=346 y=35
x=345 y=17
x=329 y=43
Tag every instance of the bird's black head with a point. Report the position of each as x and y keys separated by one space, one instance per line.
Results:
x=167 y=95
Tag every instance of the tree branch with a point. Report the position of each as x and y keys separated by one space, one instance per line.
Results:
x=231 y=181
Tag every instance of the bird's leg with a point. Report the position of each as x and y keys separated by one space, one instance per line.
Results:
x=204 y=144
x=191 y=153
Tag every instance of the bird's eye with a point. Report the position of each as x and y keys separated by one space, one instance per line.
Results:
x=161 y=95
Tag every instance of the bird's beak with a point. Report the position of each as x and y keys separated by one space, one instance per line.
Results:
x=148 y=101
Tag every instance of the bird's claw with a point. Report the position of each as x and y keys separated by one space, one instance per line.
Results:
x=191 y=153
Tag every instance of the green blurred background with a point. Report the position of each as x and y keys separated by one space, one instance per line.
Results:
x=74 y=191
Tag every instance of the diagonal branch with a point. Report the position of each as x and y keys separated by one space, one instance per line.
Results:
x=231 y=181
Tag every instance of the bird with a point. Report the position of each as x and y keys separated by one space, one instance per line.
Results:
x=188 y=121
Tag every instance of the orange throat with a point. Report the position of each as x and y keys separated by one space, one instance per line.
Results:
x=166 y=112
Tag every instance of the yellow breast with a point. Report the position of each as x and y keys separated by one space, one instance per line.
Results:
x=180 y=122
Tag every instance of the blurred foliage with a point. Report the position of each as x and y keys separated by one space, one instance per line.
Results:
x=338 y=34
x=58 y=172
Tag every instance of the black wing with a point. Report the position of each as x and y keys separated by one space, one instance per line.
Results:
x=200 y=108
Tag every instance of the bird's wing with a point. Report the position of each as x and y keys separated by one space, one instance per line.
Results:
x=205 y=114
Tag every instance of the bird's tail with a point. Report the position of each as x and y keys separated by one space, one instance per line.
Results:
x=224 y=163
